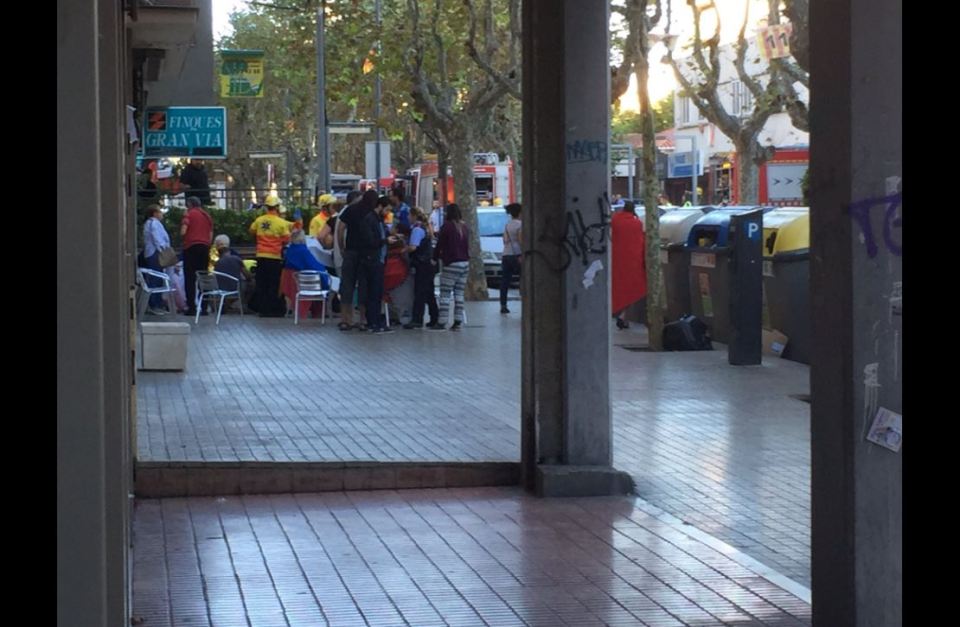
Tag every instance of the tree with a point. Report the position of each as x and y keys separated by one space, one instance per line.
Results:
x=625 y=122
x=284 y=118
x=663 y=113
x=456 y=97
x=700 y=78
x=635 y=51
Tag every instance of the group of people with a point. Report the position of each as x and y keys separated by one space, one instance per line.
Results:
x=374 y=236
x=196 y=233
x=375 y=243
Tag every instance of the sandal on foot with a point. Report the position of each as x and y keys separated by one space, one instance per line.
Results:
x=343 y=326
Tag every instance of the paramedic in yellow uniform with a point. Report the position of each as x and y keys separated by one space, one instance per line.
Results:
x=272 y=233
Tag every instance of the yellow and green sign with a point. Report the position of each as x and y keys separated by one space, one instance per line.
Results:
x=241 y=73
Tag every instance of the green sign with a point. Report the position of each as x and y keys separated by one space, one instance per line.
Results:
x=241 y=73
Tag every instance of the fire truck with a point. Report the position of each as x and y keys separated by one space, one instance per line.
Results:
x=494 y=181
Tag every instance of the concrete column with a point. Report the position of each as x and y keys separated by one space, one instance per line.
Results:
x=856 y=285
x=93 y=360
x=567 y=430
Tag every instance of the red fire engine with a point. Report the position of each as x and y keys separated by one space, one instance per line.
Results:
x=494 y=181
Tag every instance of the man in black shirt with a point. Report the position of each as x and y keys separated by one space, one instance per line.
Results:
x=194 y=178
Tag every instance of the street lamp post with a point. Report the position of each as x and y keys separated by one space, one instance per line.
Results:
x=323 y=139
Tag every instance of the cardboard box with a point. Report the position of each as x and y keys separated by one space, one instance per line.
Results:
x=774 y=343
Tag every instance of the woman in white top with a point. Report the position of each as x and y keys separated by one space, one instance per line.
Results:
x=512 y=258
x=155 y=239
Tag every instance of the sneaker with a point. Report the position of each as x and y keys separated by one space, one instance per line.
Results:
x=436 y=326
x=504 y=310
x=456 y=326
x=156 y=312
x=413 y=325
x=381 y=330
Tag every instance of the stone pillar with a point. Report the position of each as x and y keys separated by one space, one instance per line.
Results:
x=93 y=358
x=856 y=289
x=567 y=426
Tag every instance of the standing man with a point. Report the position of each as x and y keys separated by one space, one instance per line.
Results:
x=401 y=210
x=272 y=233
x=348 y=240
x=194 y=178
x=512 y=259
x=436 y=218
x=326 y=212
x=196 y=231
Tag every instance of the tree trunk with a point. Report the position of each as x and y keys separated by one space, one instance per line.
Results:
x=748 y=173
x=465 y=192
x=514 y=155
x=655 y=305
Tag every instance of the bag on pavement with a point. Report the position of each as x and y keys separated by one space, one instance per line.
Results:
x=689 y=333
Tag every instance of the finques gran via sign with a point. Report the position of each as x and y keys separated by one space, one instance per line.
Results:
x=185 y=132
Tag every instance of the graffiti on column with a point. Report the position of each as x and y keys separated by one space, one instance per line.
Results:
x=862 y=212
x=579 y=240
x=587 y=151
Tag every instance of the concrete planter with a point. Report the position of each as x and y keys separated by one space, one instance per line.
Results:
x=162 y=345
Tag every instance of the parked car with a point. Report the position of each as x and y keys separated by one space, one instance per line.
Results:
x=491 y=221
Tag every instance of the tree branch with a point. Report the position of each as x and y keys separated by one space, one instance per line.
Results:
x=798 y=12
x=634 y=12
x=508 y=83
x=423 y=91
x=740 y=61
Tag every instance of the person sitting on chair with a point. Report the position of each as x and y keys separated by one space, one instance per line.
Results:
x=229 y=262
x=297 y=259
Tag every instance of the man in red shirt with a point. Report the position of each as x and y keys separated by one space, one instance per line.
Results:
x=196 y=231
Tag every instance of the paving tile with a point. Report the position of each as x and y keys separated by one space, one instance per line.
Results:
x=245 y=560
x=724 y=448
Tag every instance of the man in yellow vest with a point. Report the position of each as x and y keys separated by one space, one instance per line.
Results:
x=326 y=202
x=272 y=233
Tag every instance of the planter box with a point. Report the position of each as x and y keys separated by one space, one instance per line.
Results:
x=162 y=345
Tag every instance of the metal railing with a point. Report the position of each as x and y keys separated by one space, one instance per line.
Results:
x=236 y=198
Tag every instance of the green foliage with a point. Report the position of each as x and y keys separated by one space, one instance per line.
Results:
x=234 y=224
x=663 y=113
x=623 y=122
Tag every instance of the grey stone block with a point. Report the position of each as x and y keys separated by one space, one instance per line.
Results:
x=558 y=480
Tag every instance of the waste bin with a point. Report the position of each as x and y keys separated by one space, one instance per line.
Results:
x=162 y=345
x=675 y=226
x=708 y=245
x=786 y=278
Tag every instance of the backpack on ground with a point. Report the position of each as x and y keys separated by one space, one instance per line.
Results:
x=689 y=333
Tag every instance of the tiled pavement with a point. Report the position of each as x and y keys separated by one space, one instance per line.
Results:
x=724 y=448
x=482 y=556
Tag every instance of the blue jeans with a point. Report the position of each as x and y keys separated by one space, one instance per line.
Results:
x=510 y=265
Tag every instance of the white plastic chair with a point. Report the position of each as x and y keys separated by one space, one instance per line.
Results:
x=164 y=288
x=310 y=288
x=208 y=287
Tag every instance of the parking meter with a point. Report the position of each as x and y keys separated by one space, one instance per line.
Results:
x=746 y=289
